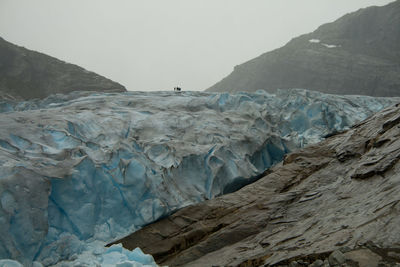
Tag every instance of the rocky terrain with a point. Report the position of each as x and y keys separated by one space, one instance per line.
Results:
x=26 y=74
x=336 y=203
x=357 y=54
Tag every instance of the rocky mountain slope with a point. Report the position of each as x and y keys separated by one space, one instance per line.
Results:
x=357 y=54
x=341 y=195
x=26 y=74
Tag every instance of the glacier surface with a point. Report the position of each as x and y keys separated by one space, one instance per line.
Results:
x=95 y=254
x=84 y=169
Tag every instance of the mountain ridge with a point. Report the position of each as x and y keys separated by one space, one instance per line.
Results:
x=27 y=74
x=358 y=53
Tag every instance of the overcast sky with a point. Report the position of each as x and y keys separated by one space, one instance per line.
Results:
x=158 y=44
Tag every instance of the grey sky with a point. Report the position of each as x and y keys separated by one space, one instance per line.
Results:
x=158 y=44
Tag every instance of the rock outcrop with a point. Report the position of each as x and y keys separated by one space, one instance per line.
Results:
x=342 y=194
x=357 y=54
x=26 y=74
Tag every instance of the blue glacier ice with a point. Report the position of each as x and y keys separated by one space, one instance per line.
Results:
x=10 y=263
x=80 y=170
x=96 y=254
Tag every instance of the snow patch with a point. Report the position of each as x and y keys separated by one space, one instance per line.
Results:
x=330 y=46
x=317 y=41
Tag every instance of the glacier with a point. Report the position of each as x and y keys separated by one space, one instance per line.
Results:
x=96 y=254
x=81 y=170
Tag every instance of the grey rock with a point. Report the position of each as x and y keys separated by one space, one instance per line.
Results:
x=294 y=264
x=363 y=258
x=336 y=258
x=344 y=249
x=394 y=255
x=317 y=263
x=302 y=263
x=26 y=74
x=364 y=61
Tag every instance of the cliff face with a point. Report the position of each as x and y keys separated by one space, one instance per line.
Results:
x=26 y=74
x=342 y=193
x=357 y=54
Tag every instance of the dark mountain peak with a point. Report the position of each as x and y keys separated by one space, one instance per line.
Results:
x=357 y=54
x=374 y=27
x=26 y=74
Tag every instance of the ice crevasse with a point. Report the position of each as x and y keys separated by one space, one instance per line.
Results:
x=80 y=170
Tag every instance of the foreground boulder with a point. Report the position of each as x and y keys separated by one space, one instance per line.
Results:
x=26 y=74
x=341 y=193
